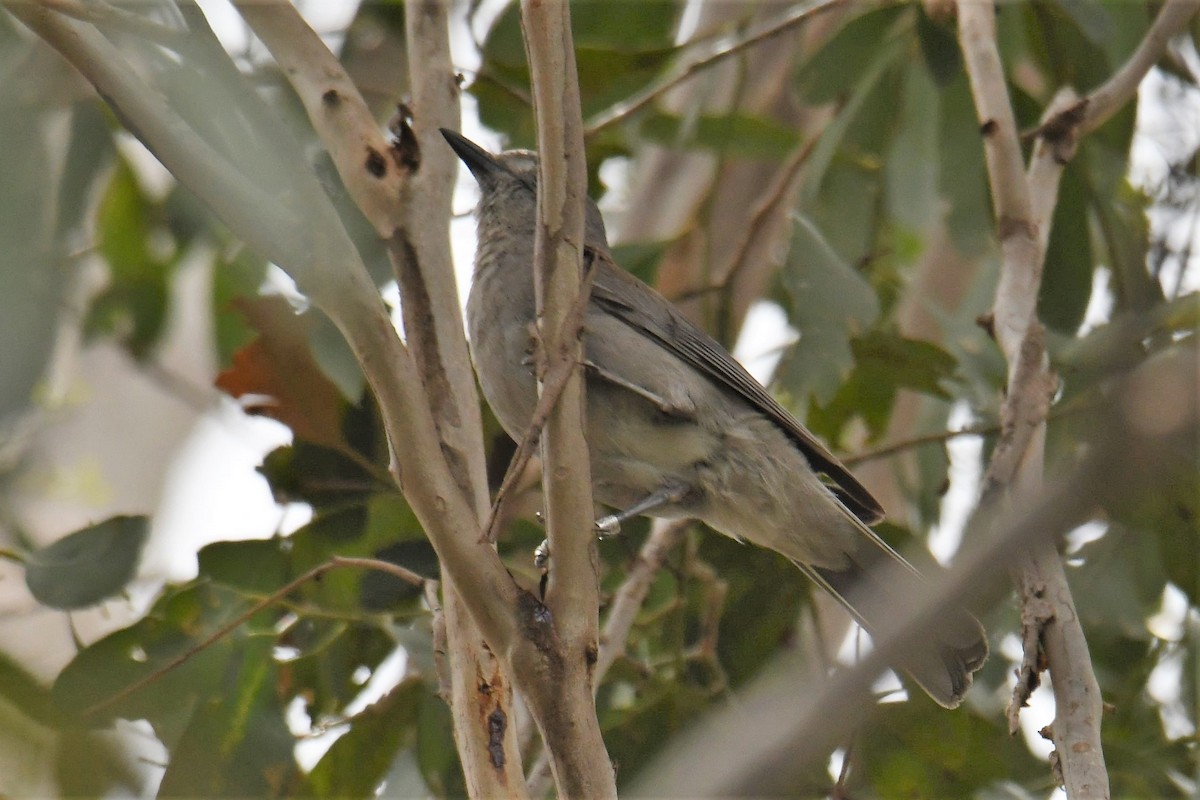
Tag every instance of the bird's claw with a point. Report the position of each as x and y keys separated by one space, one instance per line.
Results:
x=608 y=526
x=541 y=554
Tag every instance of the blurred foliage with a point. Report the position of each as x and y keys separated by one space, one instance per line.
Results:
x=229 y=682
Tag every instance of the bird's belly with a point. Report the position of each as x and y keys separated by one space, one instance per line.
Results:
x=635 y=452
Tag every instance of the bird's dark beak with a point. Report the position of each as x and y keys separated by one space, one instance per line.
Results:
x=481 y=163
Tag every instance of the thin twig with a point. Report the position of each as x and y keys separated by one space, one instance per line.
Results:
x=1118 y=90
x=775 y=195
x=664 y=537
x=558 y=372
x=337 y=562
x=917 y=441
x=722 y=50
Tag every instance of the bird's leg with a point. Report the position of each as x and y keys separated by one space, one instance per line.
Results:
x=611 y=525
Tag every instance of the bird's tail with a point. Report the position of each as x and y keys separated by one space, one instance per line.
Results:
x=943 y=662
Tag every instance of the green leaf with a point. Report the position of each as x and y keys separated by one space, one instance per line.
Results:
x=437 y=756
x=641 y=258
x=33 y=269
x=910 y=186
x=138 y=656
x=823 y=77
x=256 y=566
x=1122 y=576
x=320 y=476
x=831 y=303
x=916 y=749
x=236 y=743
x=330 y=654
x=134 y=307
x=733 y=134
x=89 y=565
x=883 y=363
x=939 y=46
x=1067 y=277
x=862 y=121
x=358 y=761
x=962 y=175
x=237 y=276
x=620 y=47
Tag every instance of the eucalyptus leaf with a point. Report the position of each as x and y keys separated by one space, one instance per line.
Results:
x=358 y=762
x=89 y=565
x=831 y=303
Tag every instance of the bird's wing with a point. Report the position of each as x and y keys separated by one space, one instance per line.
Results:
x=633 y=302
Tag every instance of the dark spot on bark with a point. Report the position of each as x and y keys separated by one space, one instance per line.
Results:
x=987 y=321
x=989 y=127
x=497 y=722
x=485 y=688
x=331 y=98
x=537 y=623
x=376 y=164
x=1012 y=226
x=405 y=150
x=592 y=654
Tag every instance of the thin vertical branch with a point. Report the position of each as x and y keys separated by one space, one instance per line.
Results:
x=569 y=729
x=1024 y=207
x=482 y=697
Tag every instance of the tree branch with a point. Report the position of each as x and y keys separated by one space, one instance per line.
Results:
x=1024 y=208
x=565 y=713
x=482 y=696
x=336 y=110
x=1100 y=104
x=664 y=537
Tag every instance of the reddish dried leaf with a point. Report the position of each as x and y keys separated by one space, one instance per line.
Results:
x=276 y=376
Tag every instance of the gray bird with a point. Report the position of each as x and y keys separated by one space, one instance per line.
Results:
x=677 y=428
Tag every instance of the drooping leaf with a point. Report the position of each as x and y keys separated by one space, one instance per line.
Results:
x=824 y=76
x=910 y=185
x=358 y=762
x=883 y=363
x=134 y=306
x=962 y=176
x=277 y=376
x=939 y=46
x=89 y=565
x=732 y=134
x=1067 y=276
x=831 y=303
x=236 y=743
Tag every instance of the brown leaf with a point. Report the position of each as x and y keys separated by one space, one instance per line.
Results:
x=276 y=376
